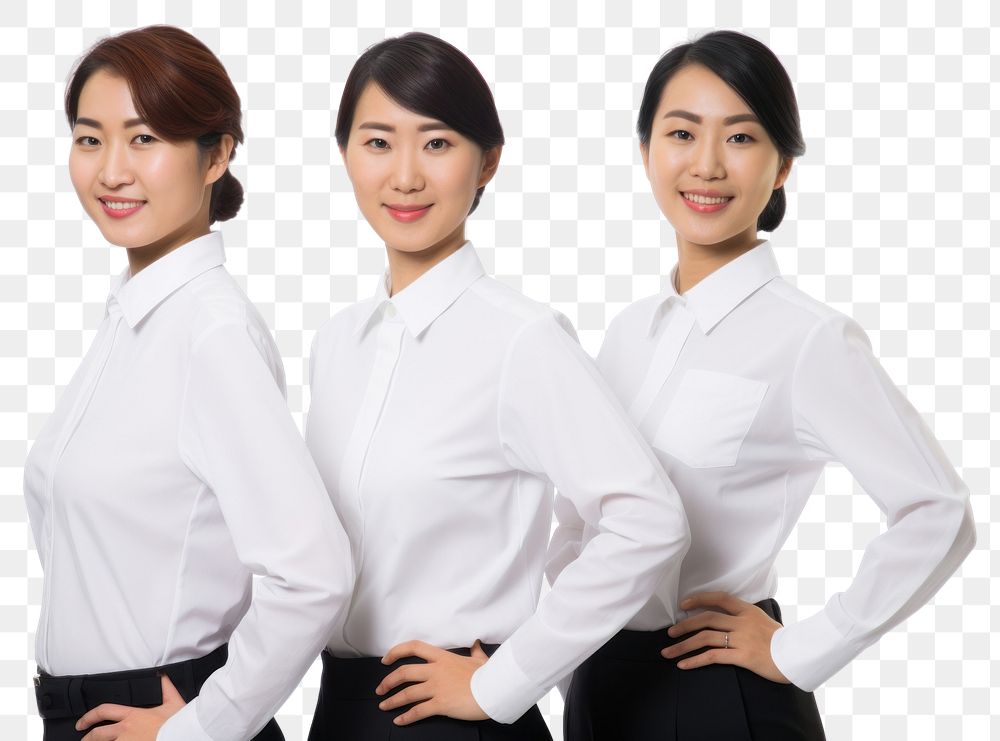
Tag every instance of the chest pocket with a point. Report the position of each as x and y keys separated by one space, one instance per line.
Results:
x=709 y=417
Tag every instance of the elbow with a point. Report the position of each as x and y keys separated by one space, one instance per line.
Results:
x=965 y=538
x=674 y=534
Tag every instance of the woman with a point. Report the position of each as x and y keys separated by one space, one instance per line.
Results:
x=170 y=471
x=443 y=410
x=746 y=387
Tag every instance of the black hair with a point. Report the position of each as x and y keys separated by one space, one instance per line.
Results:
x=756 y=75
x=429 y=76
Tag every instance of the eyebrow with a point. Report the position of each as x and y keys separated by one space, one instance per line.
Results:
x=430 y=126
x=97 y=124
x=728 y=121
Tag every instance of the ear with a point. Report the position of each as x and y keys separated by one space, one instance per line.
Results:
x=219 y=159
x=491 y=161
x=783 y=172
x=644 y=153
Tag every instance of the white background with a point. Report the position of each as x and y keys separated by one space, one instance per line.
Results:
x=893 y=218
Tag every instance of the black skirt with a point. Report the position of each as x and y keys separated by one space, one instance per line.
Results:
x=627 y=691
x=347 y=710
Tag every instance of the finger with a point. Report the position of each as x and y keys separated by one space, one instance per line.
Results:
x=107 y=711
x=170 y=694
x=477 y=651
x=421 y=650
x=710 y=638
x=407 y=696
x=104 y=733
x=417 y=712
x=402 y=675
x=723 y=600
x=713 y=620
x=714 y=656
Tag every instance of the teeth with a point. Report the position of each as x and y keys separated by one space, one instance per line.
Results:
x=121 y=205
x=706 y=200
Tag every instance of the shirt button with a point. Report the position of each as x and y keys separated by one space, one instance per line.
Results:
x=390 y=311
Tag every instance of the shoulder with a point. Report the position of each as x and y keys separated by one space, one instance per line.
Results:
x=218 y=305
x=823 y=335
x=797 y=304
x=511 y=314
x=638 y=314
x=342 y=324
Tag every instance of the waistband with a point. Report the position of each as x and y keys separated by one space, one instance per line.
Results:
x=645 y=645
x=70 y=696
x=357 y=678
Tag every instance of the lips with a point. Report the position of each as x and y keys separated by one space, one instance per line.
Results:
x=705 y=202
x=407 y=213
x=119 y=208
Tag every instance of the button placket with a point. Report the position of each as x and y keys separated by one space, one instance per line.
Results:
x=105 y=344
x=388 y=349
x=668 y=349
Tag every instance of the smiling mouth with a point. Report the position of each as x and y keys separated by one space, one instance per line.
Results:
x=120 y=208
x=407 y=213
x=706 y=200
x=705 y=204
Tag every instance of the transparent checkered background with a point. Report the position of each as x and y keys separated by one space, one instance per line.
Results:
x=892 y=218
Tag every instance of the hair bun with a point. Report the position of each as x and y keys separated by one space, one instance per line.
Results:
x=227 y=197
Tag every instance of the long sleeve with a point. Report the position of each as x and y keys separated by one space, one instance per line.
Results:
x=848 y=410
x=237 y=436
x=558 y=419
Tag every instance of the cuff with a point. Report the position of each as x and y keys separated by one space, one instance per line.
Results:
x=811 y=651
x=183 y=726
x=502 y=690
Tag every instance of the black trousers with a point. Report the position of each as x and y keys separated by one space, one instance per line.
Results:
x=628 y=692
x=63 y=700
x=348 y=710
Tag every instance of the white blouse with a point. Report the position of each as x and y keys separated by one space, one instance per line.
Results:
x=441 y=418
x=169 y=473
x=746 y=388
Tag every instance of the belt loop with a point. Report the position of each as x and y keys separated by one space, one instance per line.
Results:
x=74 y=693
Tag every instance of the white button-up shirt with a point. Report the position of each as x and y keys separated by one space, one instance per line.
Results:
x=746 y=387
x=441 y=418
x=169 y=473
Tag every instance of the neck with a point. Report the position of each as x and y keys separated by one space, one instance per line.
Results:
x=695 y=262
x=405 y=267
x=142 y=257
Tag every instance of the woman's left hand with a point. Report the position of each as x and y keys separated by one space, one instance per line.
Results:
x=737 y=632
x=132 y=724
x=442 y=686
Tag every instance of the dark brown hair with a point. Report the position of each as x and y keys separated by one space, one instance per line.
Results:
x=429 y=76
x=756 y=75
x=179 y=87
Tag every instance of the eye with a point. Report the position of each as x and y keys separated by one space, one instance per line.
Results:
x=741 y=138
x=87 y=141
x=377 y=143
x=437 y=145
x=681 y=134
x=145 y=138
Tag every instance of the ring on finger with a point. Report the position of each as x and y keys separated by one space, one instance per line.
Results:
x=727 y=641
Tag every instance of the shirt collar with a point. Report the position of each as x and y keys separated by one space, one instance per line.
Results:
x=137 y=295
x=424 y=300
x=716 y=295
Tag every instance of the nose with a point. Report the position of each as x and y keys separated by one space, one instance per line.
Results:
x=406 y=174
x=116 y=166
x=706 y=160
